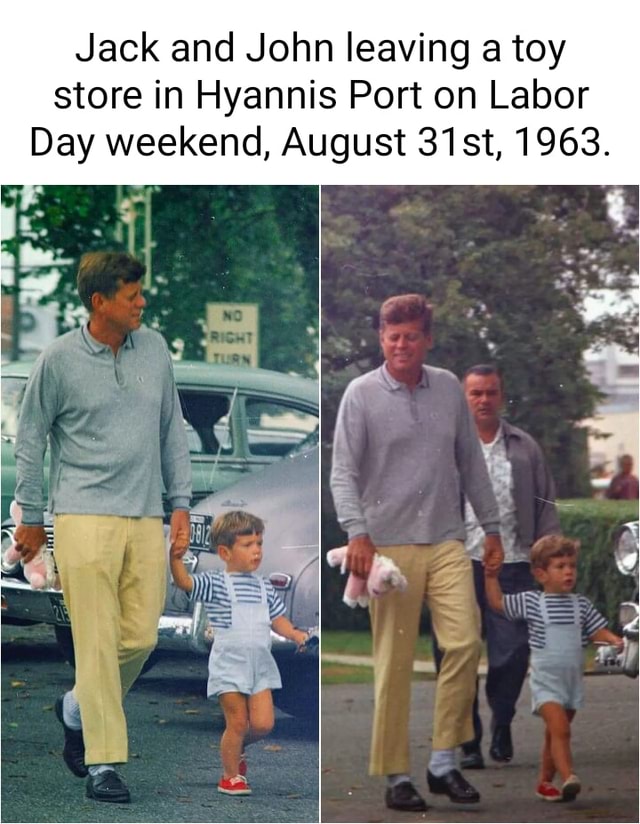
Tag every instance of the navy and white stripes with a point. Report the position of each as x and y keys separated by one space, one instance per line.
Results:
x=526 y=606
x=210 y=588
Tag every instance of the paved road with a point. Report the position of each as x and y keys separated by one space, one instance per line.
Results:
x=605 y=744
x=174 y=759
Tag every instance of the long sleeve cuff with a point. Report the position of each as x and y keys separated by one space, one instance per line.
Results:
x=491 y=528
x=32 y=517
x=180 y=503
x=356 y=528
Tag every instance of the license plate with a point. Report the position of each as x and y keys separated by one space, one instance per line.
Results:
x=59 y=609
x=200 y=535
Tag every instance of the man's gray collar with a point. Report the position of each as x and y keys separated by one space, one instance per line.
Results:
x=394 y=385
x=95 y=346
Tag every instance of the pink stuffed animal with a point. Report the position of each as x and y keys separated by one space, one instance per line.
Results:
x=40 y=571
x=384 y=576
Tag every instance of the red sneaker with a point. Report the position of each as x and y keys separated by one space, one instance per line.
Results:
x=242 y=766
x=547 y=792
x=234 y=786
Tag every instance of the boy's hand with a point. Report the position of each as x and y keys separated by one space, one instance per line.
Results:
x=310 y=642
x=490 y=572
x=177 y=551
x=300 y=638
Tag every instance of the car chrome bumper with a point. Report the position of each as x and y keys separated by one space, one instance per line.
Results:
x=175 y=631
x=193 y=632
x=21 y=602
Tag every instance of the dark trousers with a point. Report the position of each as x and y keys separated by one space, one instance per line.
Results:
x=507 y=649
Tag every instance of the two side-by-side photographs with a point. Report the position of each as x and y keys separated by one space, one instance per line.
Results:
x=319 y=503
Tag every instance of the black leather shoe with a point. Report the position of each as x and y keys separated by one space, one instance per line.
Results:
x=472 y=760
x=404 y=796
x=501 y=745
x=108 y=786
x=454 y=785
x=73 y=750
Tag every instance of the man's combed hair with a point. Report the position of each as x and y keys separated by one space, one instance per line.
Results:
x=483 y=370
x=104 y=272
x=227 y=527
x=406 y=308
x=552 y=546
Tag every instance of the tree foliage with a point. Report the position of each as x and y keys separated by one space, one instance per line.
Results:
x=251 y=244
x=508 y=269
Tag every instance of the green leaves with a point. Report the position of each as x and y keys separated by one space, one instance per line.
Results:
x=508 y=269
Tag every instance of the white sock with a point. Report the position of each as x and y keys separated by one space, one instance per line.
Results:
x=397 y=778
x=442 y=761
x=71 y=711
x=96 y=769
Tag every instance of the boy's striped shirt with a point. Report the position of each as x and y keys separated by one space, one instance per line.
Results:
x=526 y=606
x=210 y=587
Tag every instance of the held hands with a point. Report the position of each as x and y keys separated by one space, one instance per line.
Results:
x=360 y=554
x=179 y=533
x=493 y=555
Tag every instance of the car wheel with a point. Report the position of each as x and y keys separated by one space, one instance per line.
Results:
x=65 y=644
x=299 y=694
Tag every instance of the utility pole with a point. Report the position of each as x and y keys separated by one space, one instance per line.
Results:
x=15 y=306
x=131 y=204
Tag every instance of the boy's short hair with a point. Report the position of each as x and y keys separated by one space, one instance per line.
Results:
x=406 y=308
x=227 y=527
x=552 y=546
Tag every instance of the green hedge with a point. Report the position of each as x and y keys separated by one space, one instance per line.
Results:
x=593 y=522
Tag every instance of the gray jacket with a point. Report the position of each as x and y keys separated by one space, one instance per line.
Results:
x=534 y=491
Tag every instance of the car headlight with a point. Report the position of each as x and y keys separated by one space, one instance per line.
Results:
x=625 y=550
x=627 y=612
x=9 y=568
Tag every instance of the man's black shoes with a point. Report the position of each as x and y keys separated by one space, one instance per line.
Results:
x=73 y=751
x=404 y=796
x=501 y=748
x=108 y=786
x=454 y=785
x=472 y=759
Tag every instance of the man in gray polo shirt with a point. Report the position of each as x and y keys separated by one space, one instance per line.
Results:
x=105 y=400
x=405 y=451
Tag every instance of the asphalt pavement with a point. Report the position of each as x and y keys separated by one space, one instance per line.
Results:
x=605 y=749
x=174 y=734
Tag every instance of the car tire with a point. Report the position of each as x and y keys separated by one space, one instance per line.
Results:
x=300 y=689
x=65 y=644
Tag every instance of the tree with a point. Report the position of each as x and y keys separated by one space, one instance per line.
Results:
x=508 y=270
x=253 y=244
x=63 y=220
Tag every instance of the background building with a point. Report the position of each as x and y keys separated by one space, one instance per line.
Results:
x=615 y=373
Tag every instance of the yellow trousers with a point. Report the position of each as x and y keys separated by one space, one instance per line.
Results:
x=442 y=574
x=113 y=575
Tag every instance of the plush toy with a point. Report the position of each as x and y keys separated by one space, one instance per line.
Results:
x=383 y=577
x=40 y=571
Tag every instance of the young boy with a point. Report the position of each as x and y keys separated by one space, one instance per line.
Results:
x=560 y=624
x=242 y=607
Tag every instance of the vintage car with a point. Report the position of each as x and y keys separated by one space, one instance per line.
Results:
x=238 y=421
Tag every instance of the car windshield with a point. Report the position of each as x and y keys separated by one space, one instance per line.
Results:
x=12 y=393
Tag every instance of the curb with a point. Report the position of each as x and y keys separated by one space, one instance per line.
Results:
x=367 y=661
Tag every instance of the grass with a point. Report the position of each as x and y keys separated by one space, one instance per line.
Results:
x=343 y=642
